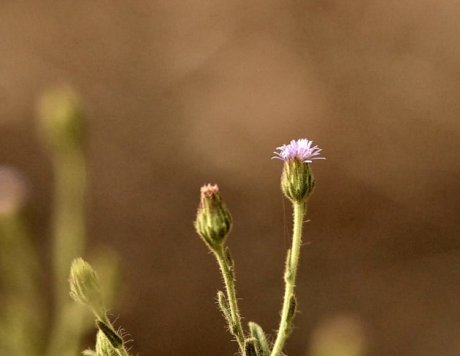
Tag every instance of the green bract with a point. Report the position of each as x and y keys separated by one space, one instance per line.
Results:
x=297 y=181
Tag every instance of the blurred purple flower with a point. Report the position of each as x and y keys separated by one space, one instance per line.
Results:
x=301 y=149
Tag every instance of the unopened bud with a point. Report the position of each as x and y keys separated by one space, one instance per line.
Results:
x=61 y=119
x=213 y=221
x=85 y=286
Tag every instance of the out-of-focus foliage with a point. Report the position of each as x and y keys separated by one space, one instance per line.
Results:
x=23 y=310
x=341 y=335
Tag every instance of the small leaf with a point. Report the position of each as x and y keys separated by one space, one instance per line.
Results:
x=291 y=314
x=250 y=348
x=287 y=270
x=115 y=340
x=292 y=308
x=258 y=333
x=224 y=307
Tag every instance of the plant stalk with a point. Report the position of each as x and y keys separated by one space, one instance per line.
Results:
x=289 y=279
x=68 y=243
x=229 y=280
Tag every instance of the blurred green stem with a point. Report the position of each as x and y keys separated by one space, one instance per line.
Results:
x=68 y=243
x=22 y=309
x=289 y=279
x=69 y=218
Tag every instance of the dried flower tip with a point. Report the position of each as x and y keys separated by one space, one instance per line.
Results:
x=85 y=287
x=208 y=190
x=213 y=221
x=297 y=181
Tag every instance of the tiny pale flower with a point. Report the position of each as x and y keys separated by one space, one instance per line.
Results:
x=301 y=149
x=297 y=180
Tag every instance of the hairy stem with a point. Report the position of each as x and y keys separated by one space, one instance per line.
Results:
x=227 y=269
x=287 y=314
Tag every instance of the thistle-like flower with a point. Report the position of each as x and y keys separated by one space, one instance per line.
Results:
x=297 y=181
x=213 y=220
x=301 y=149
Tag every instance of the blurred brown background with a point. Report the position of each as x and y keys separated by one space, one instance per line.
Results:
x=181 y=93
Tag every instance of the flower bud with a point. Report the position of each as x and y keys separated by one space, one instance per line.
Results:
x=61 y=119
x=85 y=286
x=213 y=220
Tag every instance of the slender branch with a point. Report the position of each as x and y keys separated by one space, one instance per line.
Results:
x=68 y=243
x=226 y=267
x=22 y=308
x=69 y=218
x=287 y=314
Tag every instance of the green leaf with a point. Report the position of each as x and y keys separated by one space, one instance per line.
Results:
x=258 y=333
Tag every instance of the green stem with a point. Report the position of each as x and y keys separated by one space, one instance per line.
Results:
x=69 y=218
x=229 y=280
x=289 y=279
x=68 y=243
x=22 y=308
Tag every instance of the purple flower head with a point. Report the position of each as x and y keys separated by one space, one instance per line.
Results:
x=301 y=149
